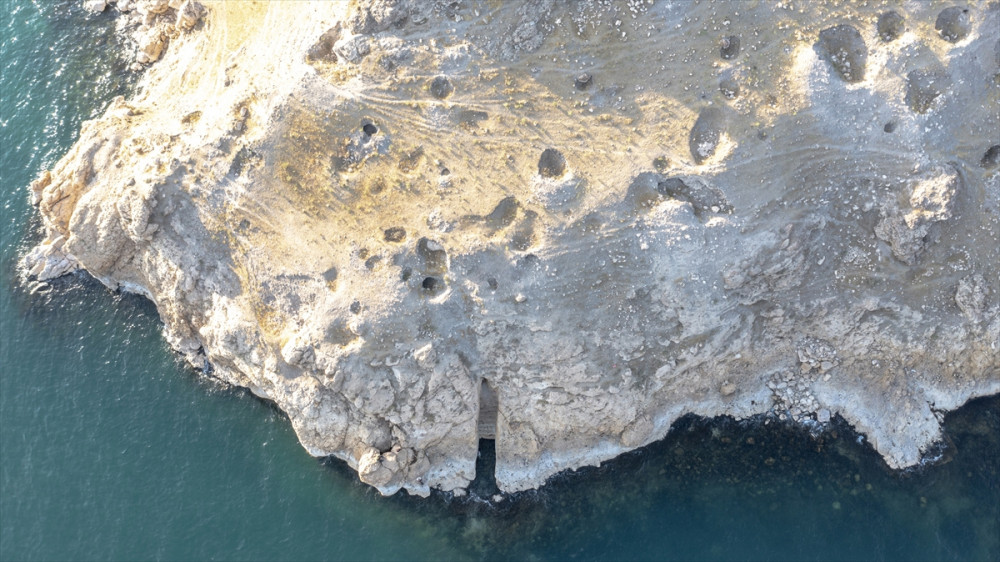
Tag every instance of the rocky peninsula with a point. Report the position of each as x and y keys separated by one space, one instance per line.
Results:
x=412 y=224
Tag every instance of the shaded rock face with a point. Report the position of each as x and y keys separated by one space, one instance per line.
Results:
x=565 y=270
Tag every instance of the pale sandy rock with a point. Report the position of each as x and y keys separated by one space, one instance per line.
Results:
x=392 y=265
x=151 y=44
x=95 y=6
x=189 y=13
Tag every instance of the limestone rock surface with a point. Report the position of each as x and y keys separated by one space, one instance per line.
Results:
x=319 y=219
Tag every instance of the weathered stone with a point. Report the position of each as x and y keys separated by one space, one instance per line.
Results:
x=325 y=233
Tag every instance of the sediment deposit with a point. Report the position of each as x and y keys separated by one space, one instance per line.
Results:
x=415 y=223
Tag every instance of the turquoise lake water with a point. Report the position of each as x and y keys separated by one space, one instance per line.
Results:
x=112 y=449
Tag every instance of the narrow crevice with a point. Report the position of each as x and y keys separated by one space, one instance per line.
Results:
x=485 y=484
x=488 y=405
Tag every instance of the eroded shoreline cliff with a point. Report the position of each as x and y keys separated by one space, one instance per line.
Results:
x=411 y=224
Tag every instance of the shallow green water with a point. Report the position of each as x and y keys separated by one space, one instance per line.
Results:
x=110 y=448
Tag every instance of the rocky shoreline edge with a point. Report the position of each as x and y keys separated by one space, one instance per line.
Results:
x=346 y=230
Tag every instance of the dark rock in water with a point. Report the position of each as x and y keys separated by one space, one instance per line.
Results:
x=889 y=127
x=552 y=164
x=845 y=50
x=729 y=88
x=395 y=234
x=583 y=81
x=729 y=47
x=890 y=26
x=923 y=87
x=954 y=23
x=991 y=159
x=705 y=134
x=369 y=129
x=441 y=87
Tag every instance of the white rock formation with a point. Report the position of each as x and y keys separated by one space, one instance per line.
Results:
x=342 y=208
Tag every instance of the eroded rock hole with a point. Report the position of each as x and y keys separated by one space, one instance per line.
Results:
x=431 y=284
x=369 y=129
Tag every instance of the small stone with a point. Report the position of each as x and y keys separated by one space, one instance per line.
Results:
x=889 y=127
x=890 y=26
x=519 y=298
x=991 y=158
x=441 y=87
x=953 y=24
x=728 y=389
x=552 y=163
x=836 y=505
x=729 y=47
x=95 y=6
x=823 y=416
x=583 y=81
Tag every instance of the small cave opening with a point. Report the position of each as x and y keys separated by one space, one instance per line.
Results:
x=485 y=484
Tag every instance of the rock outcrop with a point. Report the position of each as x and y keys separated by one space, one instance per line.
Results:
x=409 y=225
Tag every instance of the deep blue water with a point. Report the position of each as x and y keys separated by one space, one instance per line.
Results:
x=112 y=449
